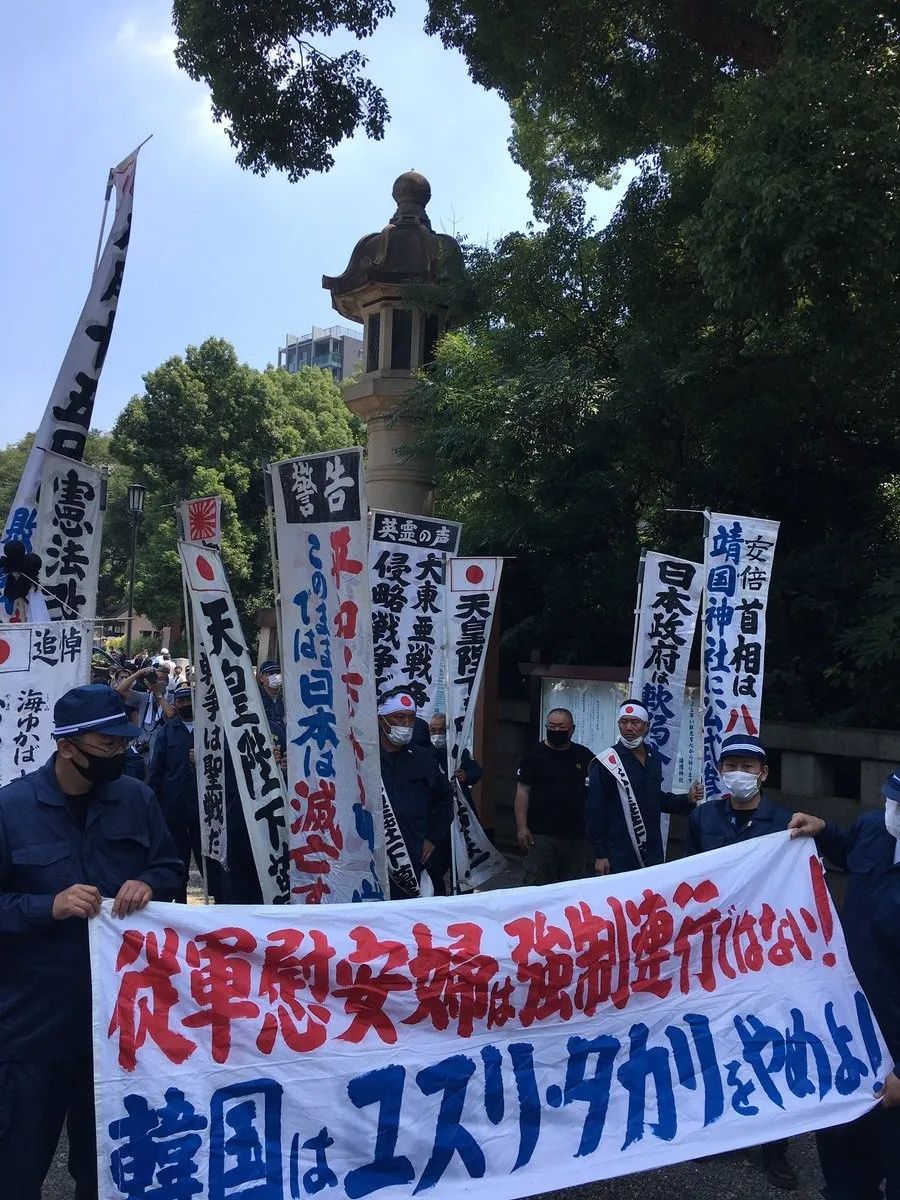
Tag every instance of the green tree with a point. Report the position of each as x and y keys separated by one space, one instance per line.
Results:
x=205 y=425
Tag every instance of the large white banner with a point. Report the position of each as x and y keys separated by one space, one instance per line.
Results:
x=669 y=601
x=67 y=418
x=38 y=663
x=407 y=574
x=259 y=781
x=337 y=843
x=737 y=563
x=68 y=536
x=201 y=525
x=474 y=587
x=495 y=1045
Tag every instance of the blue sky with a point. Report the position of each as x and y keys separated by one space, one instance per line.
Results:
x=215 y=250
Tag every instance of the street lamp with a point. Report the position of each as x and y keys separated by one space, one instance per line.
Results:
x=136 y=494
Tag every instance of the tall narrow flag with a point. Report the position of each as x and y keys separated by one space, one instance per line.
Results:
x=201 y=525
x=68 y=535
x=334 y=770
x=737 y=564
x=67 y=417
x=259 y=780
x=474 y=587
x=668 y=603
x=407 y=574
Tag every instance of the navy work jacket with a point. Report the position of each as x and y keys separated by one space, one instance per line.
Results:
x=173 y=777
x=273 y=707
x=712 y=824
x=45 y=976
x=606 y=828
x=871 y=915
x=420 y=797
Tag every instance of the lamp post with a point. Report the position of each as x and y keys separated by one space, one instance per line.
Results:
x=136 y=494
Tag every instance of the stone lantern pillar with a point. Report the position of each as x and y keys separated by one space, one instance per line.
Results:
x=398 y=338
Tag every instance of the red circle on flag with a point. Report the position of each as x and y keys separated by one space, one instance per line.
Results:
x=612 y=758
x=5 y=651
x=474 y=574
x=205 y=568
x=406 y=702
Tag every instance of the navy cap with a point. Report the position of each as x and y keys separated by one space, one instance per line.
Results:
x=891 y=787
x=269 y=667
x=92 y=708
x=742 y=743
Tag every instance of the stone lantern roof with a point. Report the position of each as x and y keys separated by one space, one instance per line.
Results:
x=406 y=251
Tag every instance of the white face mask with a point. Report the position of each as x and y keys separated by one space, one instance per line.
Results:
x=632 y=743
x=740 y=785
x=439 y=741
x=274 y=681
x=399 y=735
x=892 y=818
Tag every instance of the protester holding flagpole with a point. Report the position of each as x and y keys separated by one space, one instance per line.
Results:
x=626 y=801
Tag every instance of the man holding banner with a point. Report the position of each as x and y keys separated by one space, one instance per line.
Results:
x=417 y=789
x=71 y=833
x=626 y=801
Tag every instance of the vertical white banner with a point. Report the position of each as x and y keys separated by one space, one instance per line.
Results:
x=259 y=780
x=68 y=536
x=474 y=587
x=67 y=418
x=407 y=574
x=38 y=663
x=201 y=525
x=337 y=841
x=737 y=563
x=669 y=603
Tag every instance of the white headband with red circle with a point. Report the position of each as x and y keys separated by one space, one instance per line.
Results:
x=402 y=702
x=633 y=710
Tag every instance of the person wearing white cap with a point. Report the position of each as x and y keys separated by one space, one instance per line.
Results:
x=625 y=798
x=417 y=789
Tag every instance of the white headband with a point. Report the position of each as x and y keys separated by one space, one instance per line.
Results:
x=633 y=710
x=402 y=702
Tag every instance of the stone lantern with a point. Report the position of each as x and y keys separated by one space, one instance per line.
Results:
x=398 y=338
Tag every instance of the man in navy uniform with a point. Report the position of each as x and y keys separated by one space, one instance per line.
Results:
x=625 y=800
x=740 y=813
x=269 y=678
x=173 y=778
x=72 y=833
x=416 y=787
x=859 y=1157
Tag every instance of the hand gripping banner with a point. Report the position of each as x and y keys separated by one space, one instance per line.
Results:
x=494 y=1046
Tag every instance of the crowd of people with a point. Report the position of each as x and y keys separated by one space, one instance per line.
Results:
x=114 y=814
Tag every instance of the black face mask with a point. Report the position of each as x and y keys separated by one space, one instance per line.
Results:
x=100 y=769
x=186 y=713
x=559 y=737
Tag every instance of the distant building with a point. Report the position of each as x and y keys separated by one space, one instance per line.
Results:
x=116 y=626
x=337 y=350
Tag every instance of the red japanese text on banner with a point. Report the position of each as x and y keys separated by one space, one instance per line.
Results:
x=201 y=525
x=259 y=780
x=670 y=594
x=337 y=850
x=496 y=1045
x=407 y=574
x=737 y=563
x=67 y=418
x=38 y=663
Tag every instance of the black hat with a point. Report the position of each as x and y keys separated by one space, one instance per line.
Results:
x=94 y=707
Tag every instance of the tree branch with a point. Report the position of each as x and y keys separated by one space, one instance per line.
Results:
x=718 y=29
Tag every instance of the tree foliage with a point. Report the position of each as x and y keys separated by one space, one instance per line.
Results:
x=205 y=425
